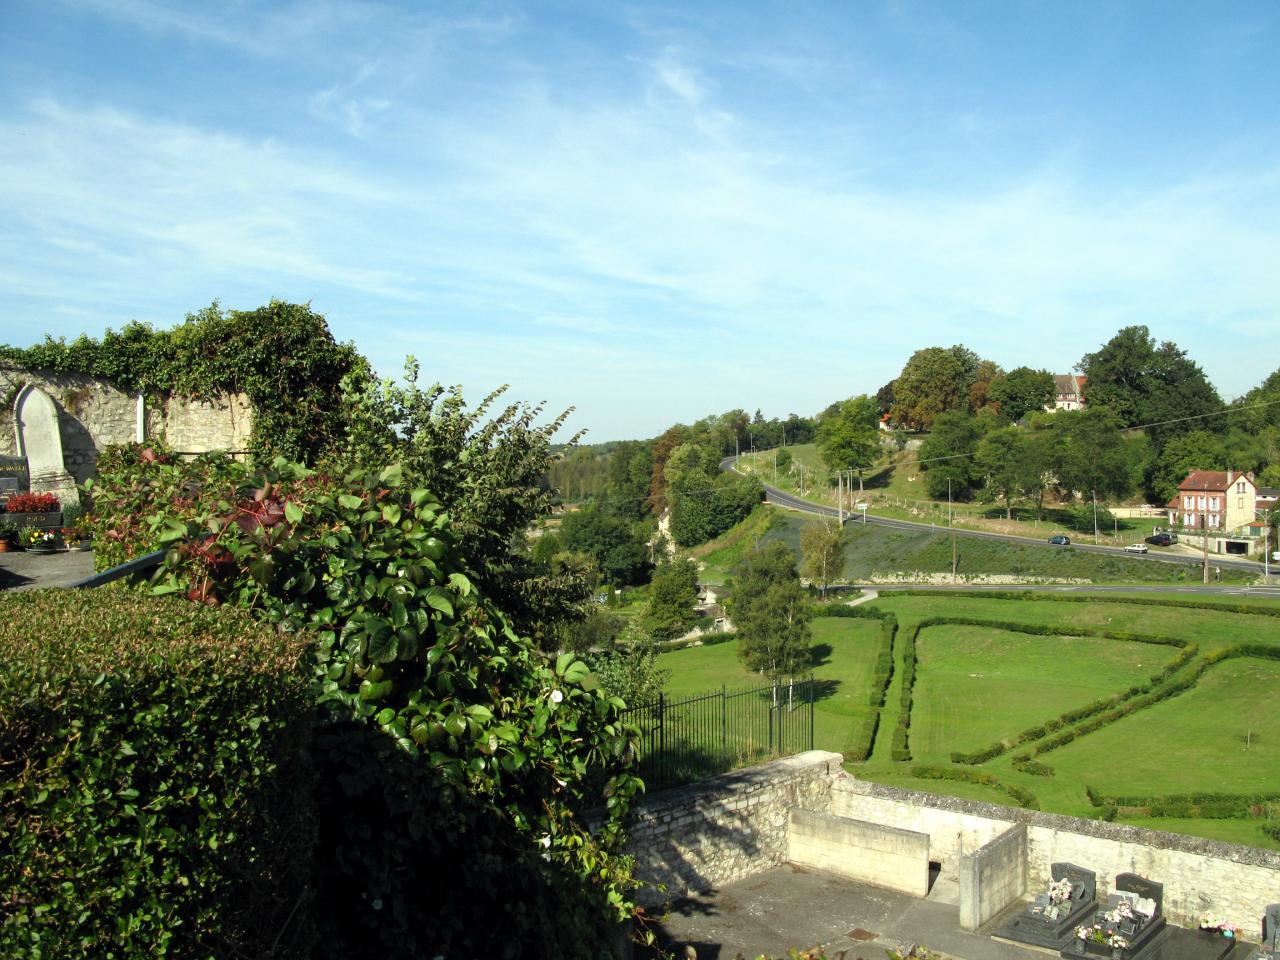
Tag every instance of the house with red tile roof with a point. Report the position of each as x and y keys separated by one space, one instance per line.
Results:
x=1215 y=500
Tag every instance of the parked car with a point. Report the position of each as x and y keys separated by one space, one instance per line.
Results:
x=1136 y=548
x=1162 y=539
x=1061 y=539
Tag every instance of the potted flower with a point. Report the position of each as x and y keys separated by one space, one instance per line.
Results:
x=28 y=508
x=1118 y=945
x=40 y=541
x=76 y=534
x=8 y=535
x=1218 y=926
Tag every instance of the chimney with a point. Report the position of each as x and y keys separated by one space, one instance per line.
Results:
x=1230 y=476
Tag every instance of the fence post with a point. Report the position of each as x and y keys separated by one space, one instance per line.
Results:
x=662 y=733
x=724 y=718
x=812 y=697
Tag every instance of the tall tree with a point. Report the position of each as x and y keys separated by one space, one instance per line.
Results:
x=608 y=539
x=947 y=455
x=1001 y=459
x=850 y=438
x=985 y=374
x=1022 y=391
x=932 y=382
x=673 y=597
x=1142 y=383
x=822 y=552
x=768 y=609
x=1089 y=455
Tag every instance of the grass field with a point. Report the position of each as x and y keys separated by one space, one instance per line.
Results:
x=870 y=550
x=981 y=685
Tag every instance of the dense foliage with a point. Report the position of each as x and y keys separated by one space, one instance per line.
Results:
x=769 y=609
x=444 y=737
x=154 y=781
x=282 y=356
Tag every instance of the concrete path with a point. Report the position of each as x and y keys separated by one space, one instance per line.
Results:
x=20 y=570
x=867 y=596
x=792 y=906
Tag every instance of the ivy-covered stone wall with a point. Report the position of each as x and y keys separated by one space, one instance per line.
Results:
x=93 y=414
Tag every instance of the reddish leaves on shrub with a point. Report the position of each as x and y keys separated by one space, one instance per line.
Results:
x=33 y=503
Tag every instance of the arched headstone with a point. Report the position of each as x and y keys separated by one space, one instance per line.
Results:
x=40 y=442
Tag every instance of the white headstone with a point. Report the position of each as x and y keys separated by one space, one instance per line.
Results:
x=40 y=441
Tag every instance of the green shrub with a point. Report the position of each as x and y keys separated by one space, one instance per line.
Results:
x=1022 y=797
x=456 y=765
x=154 y=781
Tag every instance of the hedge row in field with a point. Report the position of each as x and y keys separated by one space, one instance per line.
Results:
x=1077 y=714
x=1021 y=796
x=1206 y=806
x=1160 y=693
x=859 y=748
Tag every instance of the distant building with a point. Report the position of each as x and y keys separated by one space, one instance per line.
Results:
x=1220 y=500
x=1268 y=498
x=1068 y=393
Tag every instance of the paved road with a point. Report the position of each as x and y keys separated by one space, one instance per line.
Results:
x=790 y=501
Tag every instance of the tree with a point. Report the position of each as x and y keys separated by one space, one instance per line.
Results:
x=629 y=670
x=885 y=398
x=673 y=598
x=1197 y=450
x=767 y=605
x=486 y=468
x=1088 y=454
x=1001 y=459
x=823 y=555
x=609 y=540
x=986 y=373
x=947 y=455
x=932 y=382
x=1022 y=391
x=1143 y=384
x=850 y=438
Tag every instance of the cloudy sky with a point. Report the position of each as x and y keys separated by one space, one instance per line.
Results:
x=653 y=212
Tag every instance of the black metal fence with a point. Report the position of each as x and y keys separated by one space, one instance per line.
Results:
x=697 y=737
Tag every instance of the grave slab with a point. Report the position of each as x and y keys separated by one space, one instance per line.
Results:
x=1050 y=925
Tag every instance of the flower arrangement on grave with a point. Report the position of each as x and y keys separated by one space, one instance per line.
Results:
x=1060 y=891
x=1123 y=911
x=8 y=533
x=1093 y=932
x=1117 y=942
x=36 y=539
x=33 y=503
x=1215 y=924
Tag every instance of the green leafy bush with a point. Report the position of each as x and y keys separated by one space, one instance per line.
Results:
x=1021 y=796
x=154 y=781
x=456 y=765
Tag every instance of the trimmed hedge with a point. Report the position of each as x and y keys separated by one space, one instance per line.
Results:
x=1021 y=796
x=1200 y=806
x=154 y=781
x=859 y=748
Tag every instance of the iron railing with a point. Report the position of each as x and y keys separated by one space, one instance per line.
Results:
x=683 y=740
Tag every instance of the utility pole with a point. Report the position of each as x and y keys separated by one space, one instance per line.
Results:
x=953 y=532
x=1204 y=530
x=840 y=496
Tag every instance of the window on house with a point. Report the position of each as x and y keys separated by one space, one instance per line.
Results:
x=1240 y=503
x=1240 y=487
x=1213 y=503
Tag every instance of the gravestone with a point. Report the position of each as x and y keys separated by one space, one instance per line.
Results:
x=1269 y=948
x=1135 y=912
x=1050 y=924
x=40 y=442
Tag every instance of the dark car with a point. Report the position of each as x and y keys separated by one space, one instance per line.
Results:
x=1061 y=539
x=1162 y=539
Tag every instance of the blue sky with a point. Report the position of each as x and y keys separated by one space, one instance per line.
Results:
x=653 y=212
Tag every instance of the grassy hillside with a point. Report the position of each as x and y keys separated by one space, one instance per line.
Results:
x=872 y=550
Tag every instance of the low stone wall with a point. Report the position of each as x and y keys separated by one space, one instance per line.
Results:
x=698 y=837
x=993 y=877
x=1199 y=876
x=868 y=852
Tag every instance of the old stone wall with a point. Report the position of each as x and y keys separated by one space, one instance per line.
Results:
x=993 y=877
x=93 y=414
x=1199 y=876
x=732 y=826
x=868 y=852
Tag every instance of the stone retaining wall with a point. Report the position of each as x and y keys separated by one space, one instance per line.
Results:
x=1199 y=876
x=698 y=837
x=993 y=877
x=868 y=852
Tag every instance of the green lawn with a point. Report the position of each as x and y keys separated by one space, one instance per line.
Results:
x=844 y=655
x=977 y=685
x=1194 y=741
